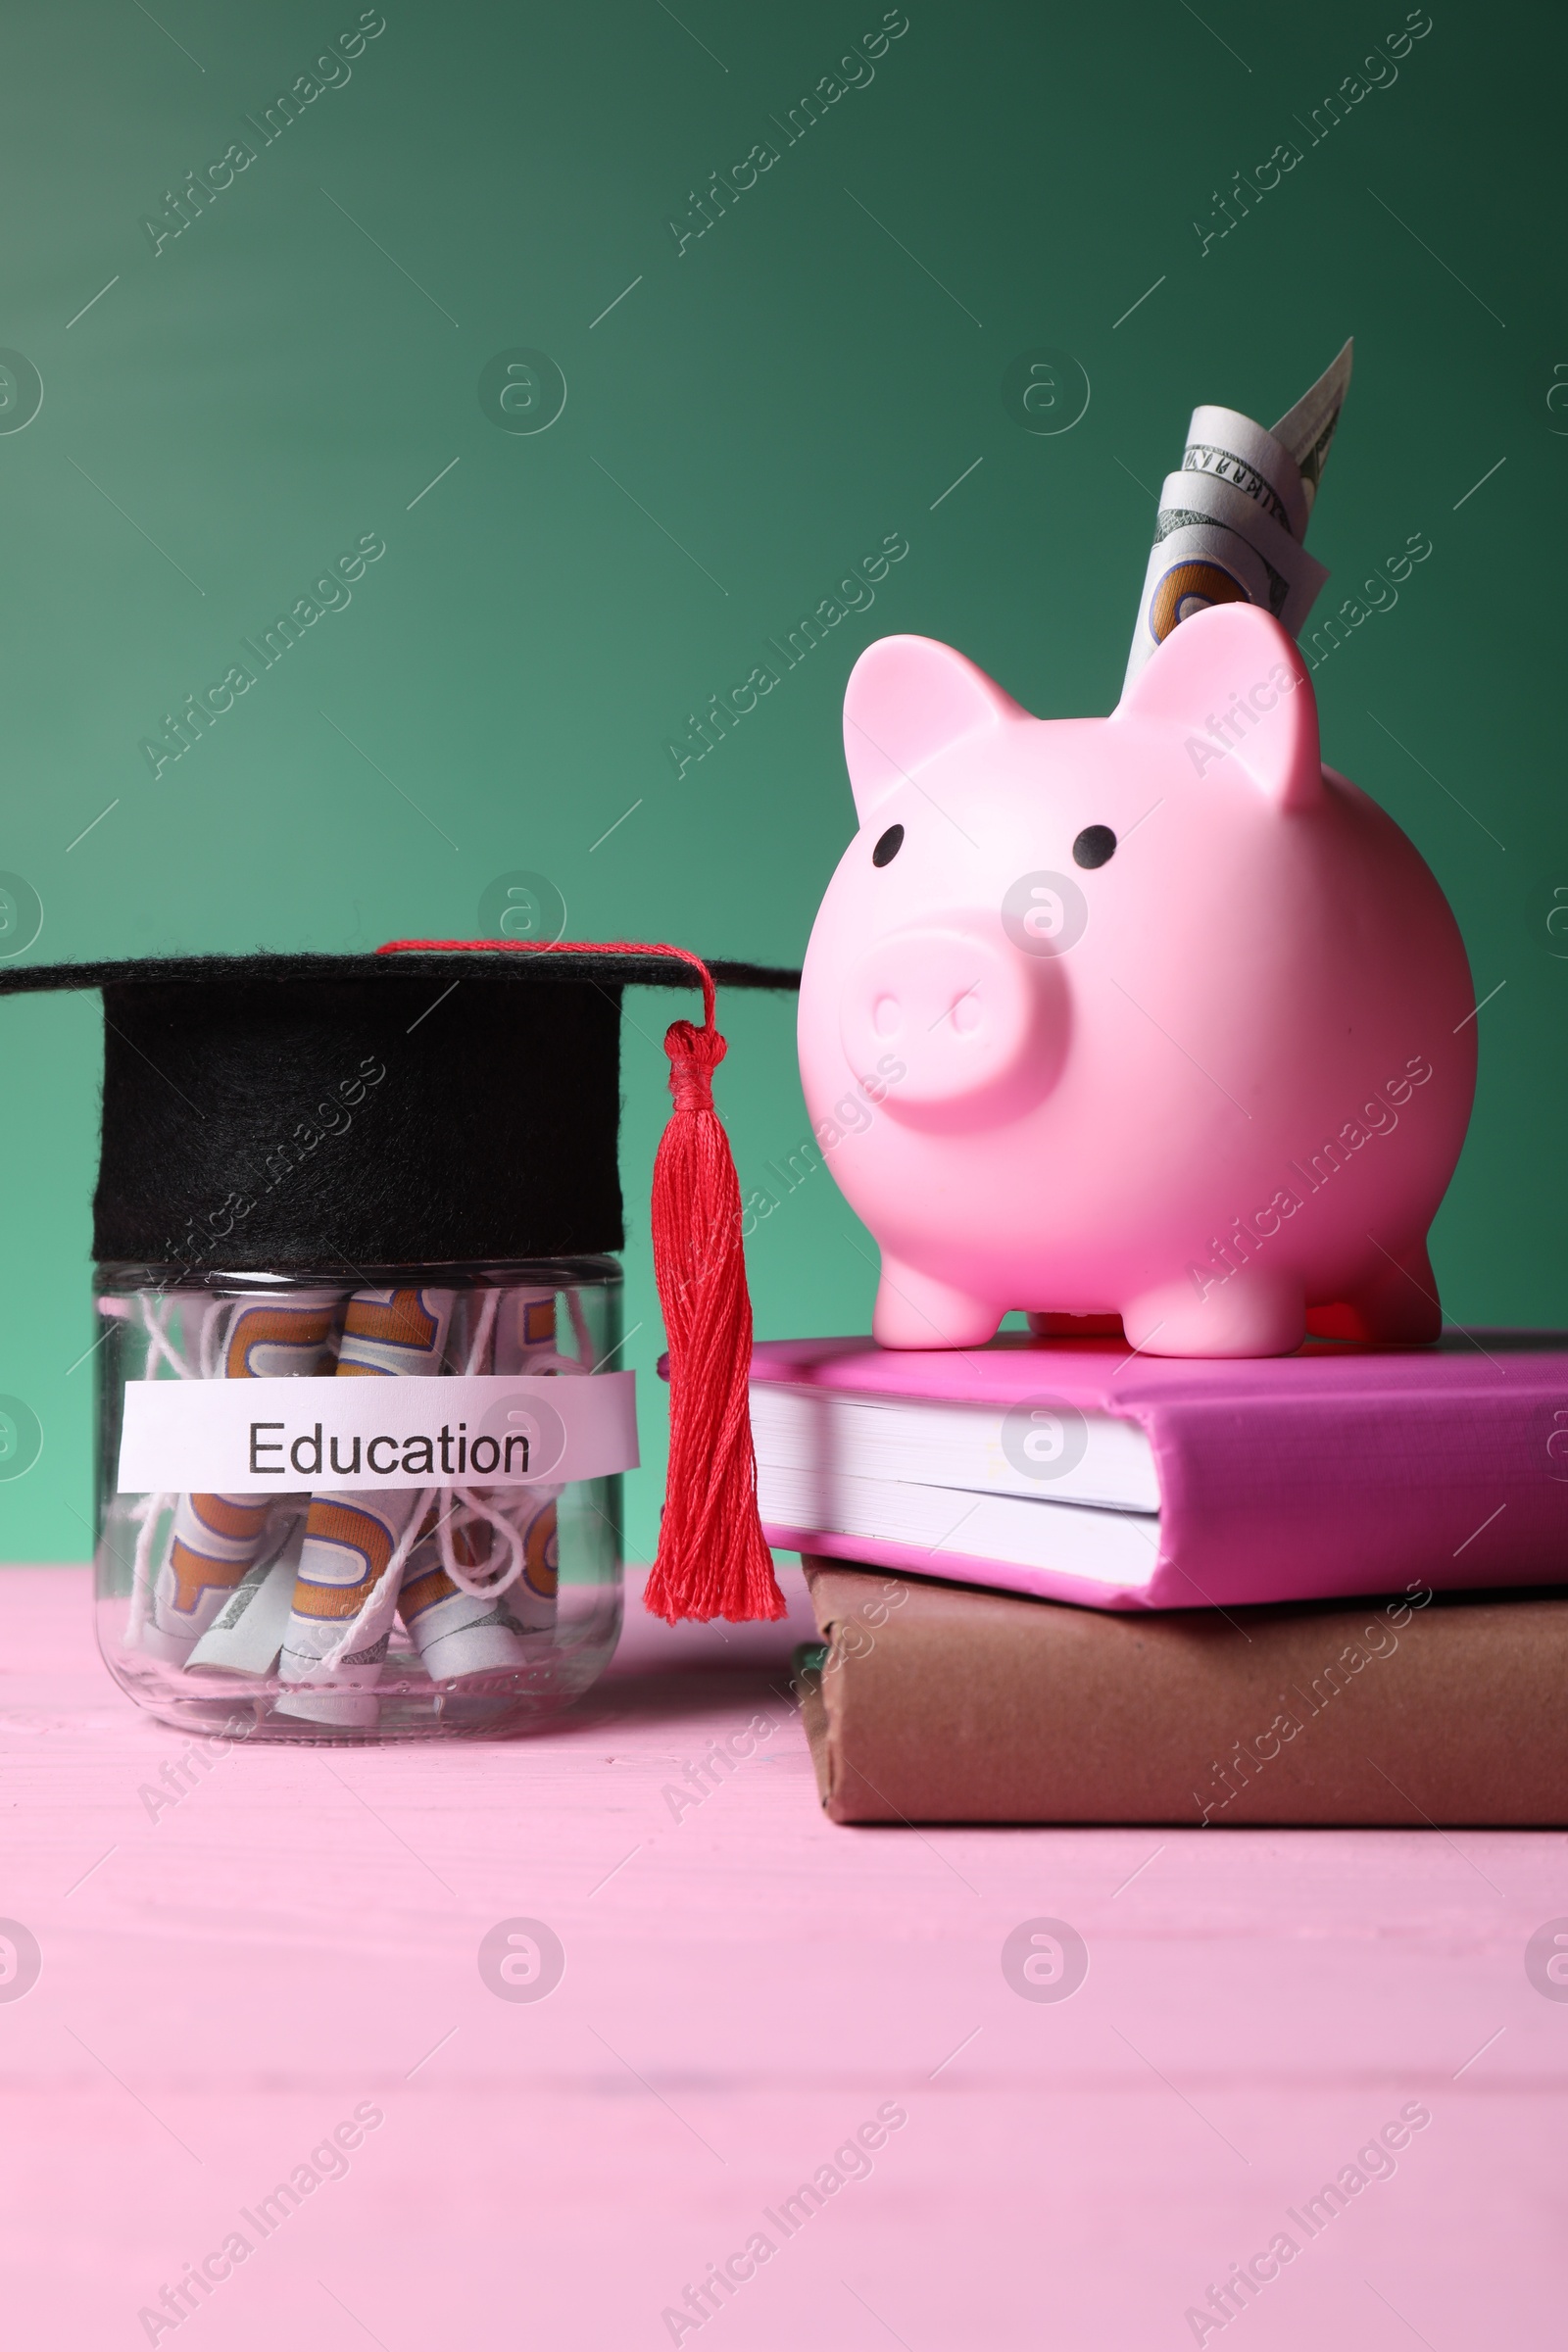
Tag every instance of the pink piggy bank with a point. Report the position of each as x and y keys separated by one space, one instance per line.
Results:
x=1150 y=1015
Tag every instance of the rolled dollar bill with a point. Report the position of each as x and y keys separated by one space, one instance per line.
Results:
x=1223 y=446
x=1307 y=429
x=1214 y=544
x=458 y=1631
x=247 y=1633
x=358 y=1543
x=1232 y=519
x=218 y=1540
x=527 y=1341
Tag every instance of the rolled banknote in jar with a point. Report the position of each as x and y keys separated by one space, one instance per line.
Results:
x=527 y=1342
x=463 y=1628
x=219 y=1540
x=1233 y=517
x=358 y=1543
x=247 y=1633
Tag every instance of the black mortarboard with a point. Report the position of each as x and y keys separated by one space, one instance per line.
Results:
x=434 y=1102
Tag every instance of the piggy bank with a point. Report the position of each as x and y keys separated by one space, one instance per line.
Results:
x=1149 y=1016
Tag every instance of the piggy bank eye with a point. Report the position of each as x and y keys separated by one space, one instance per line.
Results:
x=1093 y=846
x=892 y=842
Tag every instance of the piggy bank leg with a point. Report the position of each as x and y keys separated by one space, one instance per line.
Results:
x=1251 y=1312
x=1397 y=1306
x=915 y=1312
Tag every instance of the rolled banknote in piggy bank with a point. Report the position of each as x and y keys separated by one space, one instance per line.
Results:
x=1150 y=1016
x=1233 y=516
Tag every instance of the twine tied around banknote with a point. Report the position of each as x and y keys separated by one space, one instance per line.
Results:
x=469 y=1508
x=713 y=1559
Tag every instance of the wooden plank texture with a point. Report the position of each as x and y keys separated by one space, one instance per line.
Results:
x=745 y=1986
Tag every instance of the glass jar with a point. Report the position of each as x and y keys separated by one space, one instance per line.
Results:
x=384 y=1558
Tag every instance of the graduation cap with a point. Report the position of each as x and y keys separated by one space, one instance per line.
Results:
x=433 y=1102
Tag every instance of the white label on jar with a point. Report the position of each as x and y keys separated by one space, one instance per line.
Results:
x=259 y=1436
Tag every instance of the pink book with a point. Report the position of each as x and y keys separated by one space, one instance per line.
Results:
x=1078 y=1471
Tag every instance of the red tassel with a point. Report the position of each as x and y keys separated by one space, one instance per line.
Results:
x=713 y=1558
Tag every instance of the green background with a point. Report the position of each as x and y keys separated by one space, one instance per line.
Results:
x=287 y=374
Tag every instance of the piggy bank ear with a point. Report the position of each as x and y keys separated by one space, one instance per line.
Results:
x=1231 y=681
x=909 y=699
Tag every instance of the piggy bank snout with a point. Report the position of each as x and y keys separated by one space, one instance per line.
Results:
x=962 y=1020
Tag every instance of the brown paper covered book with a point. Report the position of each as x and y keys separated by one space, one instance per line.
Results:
x=940 y=1702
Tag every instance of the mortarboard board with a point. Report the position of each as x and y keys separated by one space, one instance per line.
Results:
x=489 y=1070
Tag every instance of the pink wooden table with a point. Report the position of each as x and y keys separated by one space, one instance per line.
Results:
x=296 y=1940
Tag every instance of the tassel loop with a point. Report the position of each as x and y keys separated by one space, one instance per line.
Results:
x=694 y=1055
